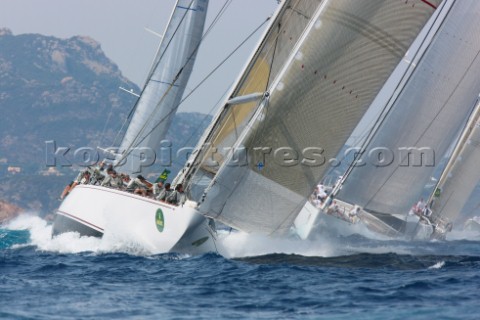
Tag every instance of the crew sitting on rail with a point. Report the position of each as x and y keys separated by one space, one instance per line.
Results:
x=139 y=185
x=353 y=214
x=113 y=180
x=165 y=193
x=83 y=177
x=319 y=195
x=177 y=197
x=157 y=188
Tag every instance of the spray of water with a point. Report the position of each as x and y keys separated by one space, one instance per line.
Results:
x=70 y=242
x=230 y=245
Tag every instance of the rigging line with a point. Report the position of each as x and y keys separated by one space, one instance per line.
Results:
x=199 y=127
x=274 y=47
x=258 y=52
x=386 y=111
x=124 y=123
x=202 y=82
x=100 y=138
x=157 y=62
x=168 y=45
x=200 y=157
x=248 y=70
x=468 y=129
x=160 y=58
x=128 y=150
x=268 y=78
x=430 y=124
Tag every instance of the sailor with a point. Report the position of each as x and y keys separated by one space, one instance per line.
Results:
x=112 y=180
x=138 y=185
x=314 y=197
x=157 y=188
x=85 y=178
x=353 y=214
x=420 y=207
x=97 y=177
x=333 y=208
x=165 y=193
x=177 y=197
x=322 y=194
x=126 y=180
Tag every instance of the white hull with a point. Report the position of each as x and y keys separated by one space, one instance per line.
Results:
x=155 y=226
x=313 y=220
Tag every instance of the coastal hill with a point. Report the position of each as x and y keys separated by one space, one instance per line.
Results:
x=67 y=91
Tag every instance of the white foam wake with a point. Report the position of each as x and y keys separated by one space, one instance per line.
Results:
x=70 y=242
x=240 y=244
x=229 y=245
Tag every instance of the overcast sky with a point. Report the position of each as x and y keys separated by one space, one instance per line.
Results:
x=119 y=26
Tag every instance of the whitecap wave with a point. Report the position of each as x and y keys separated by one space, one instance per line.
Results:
x=437 y=265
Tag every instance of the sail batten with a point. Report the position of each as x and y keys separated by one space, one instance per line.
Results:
x=343 y=59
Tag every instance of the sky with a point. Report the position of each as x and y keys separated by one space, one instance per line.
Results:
x=119 y=26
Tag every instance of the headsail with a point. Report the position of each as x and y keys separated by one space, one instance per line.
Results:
x=424 y=120
x=280 y=38
x=461 y=175
x=166 y=83
x=336 y=69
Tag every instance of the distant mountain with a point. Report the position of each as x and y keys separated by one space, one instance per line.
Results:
x=65 y=90
x=56 y=89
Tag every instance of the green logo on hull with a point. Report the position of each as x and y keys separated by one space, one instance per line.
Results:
x=159 y=220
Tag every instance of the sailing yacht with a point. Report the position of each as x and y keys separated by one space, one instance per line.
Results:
x=420 y=120
x=457 y=181
x=317 y=69
x=94 y=210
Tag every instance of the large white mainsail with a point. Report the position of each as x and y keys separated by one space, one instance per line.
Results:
x=275 y=47
x=426 y=116
x=165 y=85
x=461 y=174
x=338 y=65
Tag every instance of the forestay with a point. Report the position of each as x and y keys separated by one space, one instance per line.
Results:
x=426 y=116
x=338 y=66
x=165 y=85
x=461 y=175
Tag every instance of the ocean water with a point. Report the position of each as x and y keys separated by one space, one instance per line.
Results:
x=332 y=277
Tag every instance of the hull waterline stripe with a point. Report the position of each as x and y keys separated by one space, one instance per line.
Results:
x=80 y=220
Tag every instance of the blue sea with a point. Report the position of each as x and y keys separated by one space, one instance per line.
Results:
x=332 y=277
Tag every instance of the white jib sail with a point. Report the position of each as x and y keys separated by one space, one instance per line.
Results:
x=164 y=87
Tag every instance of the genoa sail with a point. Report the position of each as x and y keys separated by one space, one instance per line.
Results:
x=424 y=119
x=165 y=85
x=337 y=67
